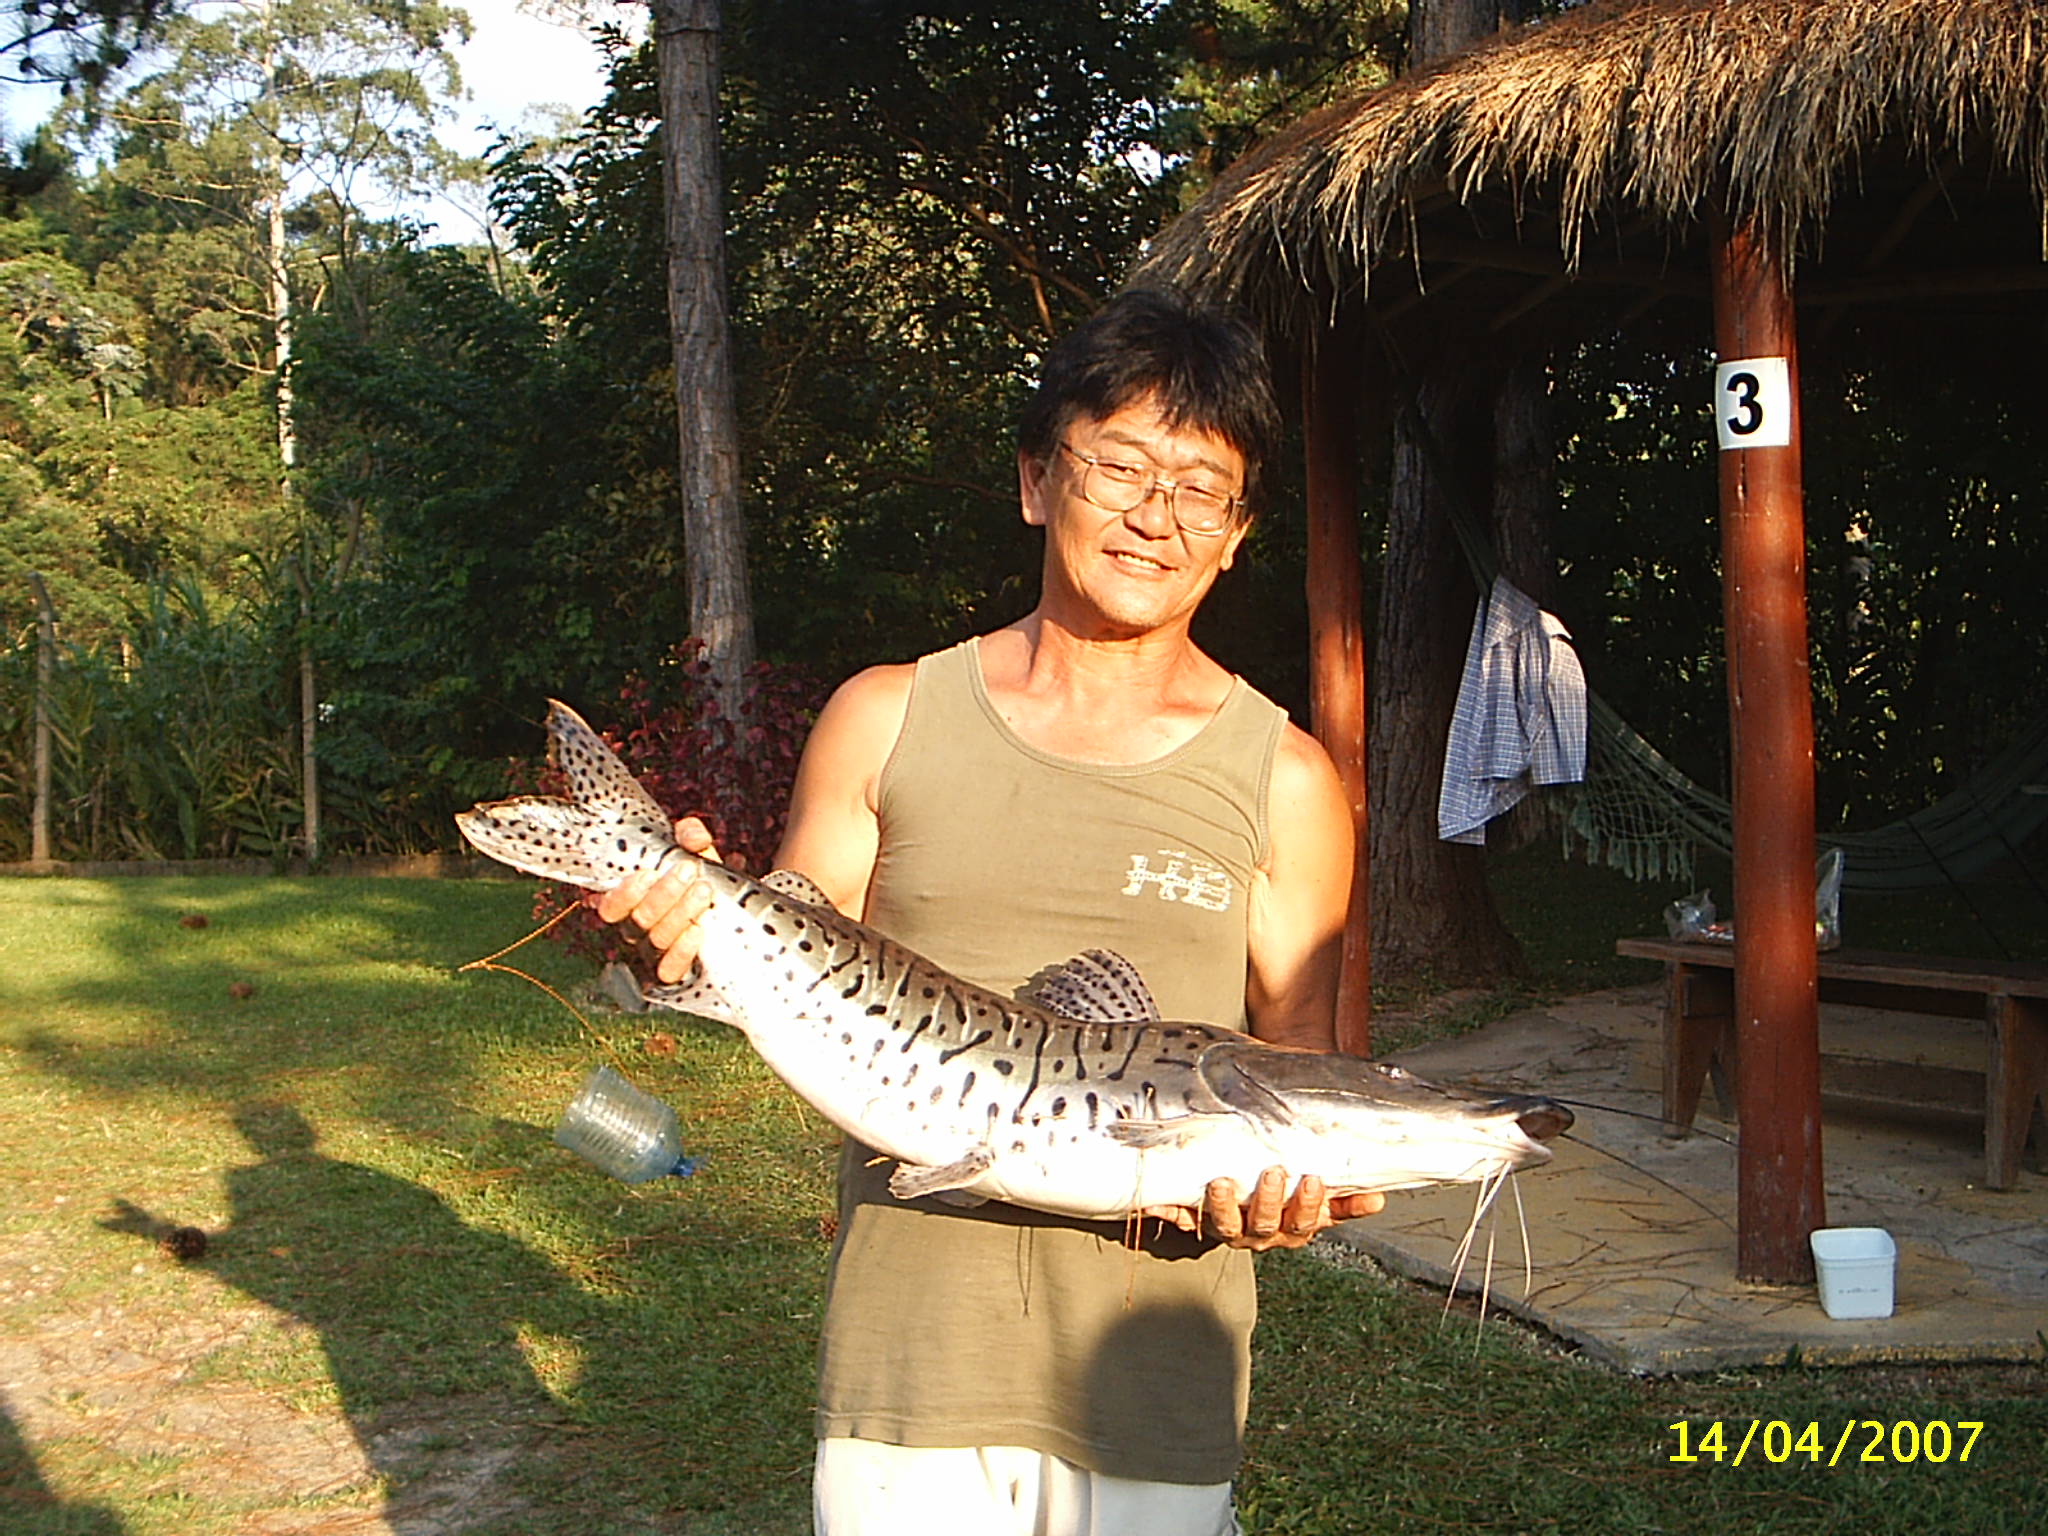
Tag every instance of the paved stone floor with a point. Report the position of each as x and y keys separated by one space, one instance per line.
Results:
x=1631 y=1231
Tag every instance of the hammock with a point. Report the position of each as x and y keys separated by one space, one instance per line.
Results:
x=1640 y=814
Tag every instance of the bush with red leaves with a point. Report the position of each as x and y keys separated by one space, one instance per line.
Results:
x=675 y=736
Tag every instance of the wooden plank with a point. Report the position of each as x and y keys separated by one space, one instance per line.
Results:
x=1902 y=1087
x=2019 y=978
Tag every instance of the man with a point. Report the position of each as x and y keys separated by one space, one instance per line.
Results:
x=1085 y=777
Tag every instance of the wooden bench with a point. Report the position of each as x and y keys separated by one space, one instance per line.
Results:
x=2011 y=998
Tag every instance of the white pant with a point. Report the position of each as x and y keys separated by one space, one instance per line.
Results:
x=865 y=1488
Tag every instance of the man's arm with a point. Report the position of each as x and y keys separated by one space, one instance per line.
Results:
x=834 y=829
x=1298 y=902
x=831 y=835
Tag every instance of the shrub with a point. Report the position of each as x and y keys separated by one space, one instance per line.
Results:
x=698 y=759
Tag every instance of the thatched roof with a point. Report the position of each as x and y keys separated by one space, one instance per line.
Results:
x=1590 y=149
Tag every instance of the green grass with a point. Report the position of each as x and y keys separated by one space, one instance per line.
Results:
x=366 y=1137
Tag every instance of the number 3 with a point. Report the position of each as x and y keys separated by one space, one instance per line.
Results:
x=1753 y=403
x=1749 y=415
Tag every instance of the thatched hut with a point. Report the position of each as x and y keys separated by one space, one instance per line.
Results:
x=1567 y=176
x=1739 y=169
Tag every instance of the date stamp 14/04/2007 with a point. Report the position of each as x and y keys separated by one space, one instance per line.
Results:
x=1777 y=1441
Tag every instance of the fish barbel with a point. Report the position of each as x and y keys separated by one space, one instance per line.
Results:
x=1080 y=1101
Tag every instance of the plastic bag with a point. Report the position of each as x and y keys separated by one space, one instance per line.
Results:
x=1693 y=917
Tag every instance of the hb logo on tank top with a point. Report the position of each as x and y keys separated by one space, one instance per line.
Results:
x=1182 y=877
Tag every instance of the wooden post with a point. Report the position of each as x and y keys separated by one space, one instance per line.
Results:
x=46 y=664
x=1336 y=622
x=1763 y=550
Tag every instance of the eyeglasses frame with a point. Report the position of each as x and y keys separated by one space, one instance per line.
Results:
x=1159 y=483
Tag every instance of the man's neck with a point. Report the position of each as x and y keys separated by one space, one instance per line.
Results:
x=1108 y=699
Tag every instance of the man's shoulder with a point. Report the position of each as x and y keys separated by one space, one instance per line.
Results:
x=1306 y=787
x=871 y=703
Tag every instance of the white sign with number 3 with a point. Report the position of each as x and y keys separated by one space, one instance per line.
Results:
x=1753 y=403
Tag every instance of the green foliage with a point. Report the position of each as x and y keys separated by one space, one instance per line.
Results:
x=176 y=743
x=75 y=41
x=479 y=562
x=1255 y=67
x=1924 y=550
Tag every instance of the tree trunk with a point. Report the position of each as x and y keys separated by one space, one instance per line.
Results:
x=1525 y=479
x=1439 y=28
x=714 y=538
x=1524 y=494
x=278 y=274
x=1432 y=910
x=46 y=678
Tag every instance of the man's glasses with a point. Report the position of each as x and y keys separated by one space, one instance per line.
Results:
x=1118 y=487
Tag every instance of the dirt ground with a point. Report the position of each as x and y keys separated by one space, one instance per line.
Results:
x=128 y=1382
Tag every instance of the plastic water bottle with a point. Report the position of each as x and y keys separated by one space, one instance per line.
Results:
x=623 y=1132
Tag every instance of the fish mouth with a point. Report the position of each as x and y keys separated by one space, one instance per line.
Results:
x=1539 y=1119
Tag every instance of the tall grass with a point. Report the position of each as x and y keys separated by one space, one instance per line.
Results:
x=176 y=740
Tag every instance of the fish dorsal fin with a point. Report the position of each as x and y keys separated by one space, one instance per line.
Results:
x=598 y=781
x=1097 y=986
x=787 y=882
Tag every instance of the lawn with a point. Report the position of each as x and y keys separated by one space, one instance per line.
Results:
x=411 y=1300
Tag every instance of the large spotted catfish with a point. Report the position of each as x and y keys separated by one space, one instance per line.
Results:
x=1080 y=1101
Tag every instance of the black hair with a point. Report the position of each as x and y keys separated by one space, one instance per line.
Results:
x=1206 y=367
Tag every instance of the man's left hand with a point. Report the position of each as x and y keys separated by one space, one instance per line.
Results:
x=1270 y=1218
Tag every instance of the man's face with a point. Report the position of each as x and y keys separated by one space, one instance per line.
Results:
x=1123 y=574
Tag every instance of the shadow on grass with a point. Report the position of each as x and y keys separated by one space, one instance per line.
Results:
x=408 y=1301
x=29 y=1508
x=653 y=1347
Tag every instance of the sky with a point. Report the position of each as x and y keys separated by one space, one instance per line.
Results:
x=516 y=67
x=517 y=62
x=519 y=68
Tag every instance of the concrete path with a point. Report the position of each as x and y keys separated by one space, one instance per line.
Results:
x=1634 y=1252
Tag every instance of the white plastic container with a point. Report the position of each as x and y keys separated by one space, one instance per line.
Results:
x=628 y=1134
x=1857 y=1267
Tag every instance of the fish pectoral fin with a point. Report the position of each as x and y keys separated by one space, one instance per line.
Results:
x=695 y=995
x=1151 y=1135
x=1230 y=1070
x=910 y=1181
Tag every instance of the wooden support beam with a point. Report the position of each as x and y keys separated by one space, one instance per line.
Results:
x=1331 y=366
x=1780 y=1198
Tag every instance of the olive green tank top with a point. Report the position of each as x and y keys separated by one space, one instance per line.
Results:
x=996 y=1325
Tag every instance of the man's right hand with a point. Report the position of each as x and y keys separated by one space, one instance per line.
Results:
x=667 y=911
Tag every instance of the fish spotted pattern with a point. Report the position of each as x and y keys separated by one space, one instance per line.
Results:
x=1079 y=1101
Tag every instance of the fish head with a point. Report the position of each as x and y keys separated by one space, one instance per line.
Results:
x=1376 y=1126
